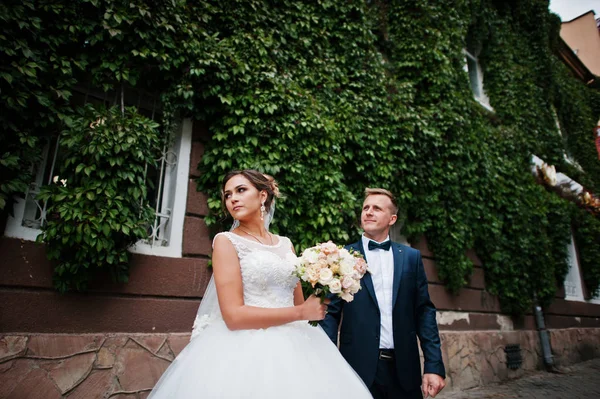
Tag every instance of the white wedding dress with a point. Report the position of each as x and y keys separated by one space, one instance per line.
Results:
x=294 y=360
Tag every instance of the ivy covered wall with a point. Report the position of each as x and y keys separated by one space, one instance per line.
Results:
x=333 y=96
x=377 y=95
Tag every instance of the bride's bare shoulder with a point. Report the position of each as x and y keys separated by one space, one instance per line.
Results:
x=222 y=240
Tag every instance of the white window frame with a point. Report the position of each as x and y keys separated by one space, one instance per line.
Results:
x=167 y=231
x=475 y=76
x=573 y=283
x=166 y=238
x=16 y=225
x=566 y=156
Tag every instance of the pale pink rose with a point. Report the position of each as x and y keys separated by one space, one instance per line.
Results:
x=360 y=266
x=335 y=286
x=347 y=282
x=325 y=276
x=329 y=248
x=333 y=257
x=354 y=288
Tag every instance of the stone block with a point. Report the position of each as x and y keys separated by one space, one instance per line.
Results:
x=138 y=369
x=196 y=201
x=196 y=237
x=105 y=359
x=51 y=346
x=12 y=346
x=36 y=385
x=195 y=158
x=178 y=342
x=24 y=264
x=166 y=353
x=151 y=343
x=98 y=385
x=161 y=276
x=72 y=371
x=12 y=373
x=114 y=342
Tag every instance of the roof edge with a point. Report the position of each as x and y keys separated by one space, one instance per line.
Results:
x=573 y=19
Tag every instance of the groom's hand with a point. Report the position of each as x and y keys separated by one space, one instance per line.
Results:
x=432 y=385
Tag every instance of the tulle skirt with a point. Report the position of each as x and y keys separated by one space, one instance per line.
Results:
x=291 y=361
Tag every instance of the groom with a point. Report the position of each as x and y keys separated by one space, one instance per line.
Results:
x=379 y=330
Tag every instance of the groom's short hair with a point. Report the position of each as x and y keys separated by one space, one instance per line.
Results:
x=383 y=191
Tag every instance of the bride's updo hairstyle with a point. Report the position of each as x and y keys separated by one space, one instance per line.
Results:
x=260 y=181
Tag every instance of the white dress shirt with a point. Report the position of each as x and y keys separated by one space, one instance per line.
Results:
x=381 y=266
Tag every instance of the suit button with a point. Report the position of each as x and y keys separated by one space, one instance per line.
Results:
x=377 y=337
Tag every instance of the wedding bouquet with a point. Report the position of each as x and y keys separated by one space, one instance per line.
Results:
x=330 y=269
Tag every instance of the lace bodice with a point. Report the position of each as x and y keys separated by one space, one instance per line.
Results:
x=266 y=271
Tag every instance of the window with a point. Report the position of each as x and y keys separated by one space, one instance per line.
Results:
x=473 y=69
x=169 y=196
x=573 y=283
x=573 y=286
x=566 y=155
x=167 y=183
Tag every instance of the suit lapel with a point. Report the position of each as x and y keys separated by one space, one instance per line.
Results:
x=367 y=280
x=398 y=264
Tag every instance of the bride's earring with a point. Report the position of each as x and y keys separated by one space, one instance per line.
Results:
x=262 y=211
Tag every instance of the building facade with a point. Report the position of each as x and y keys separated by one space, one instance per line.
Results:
x=115 y=340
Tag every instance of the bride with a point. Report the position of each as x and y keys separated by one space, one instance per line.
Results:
x=251 y=338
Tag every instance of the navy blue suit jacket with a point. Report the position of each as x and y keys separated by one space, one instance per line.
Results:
x=413 y=315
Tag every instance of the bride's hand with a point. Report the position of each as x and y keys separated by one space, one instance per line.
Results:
x=313 y=309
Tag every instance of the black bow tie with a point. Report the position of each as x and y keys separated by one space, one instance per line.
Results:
x=375 y=245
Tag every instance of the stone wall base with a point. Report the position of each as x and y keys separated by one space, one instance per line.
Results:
x=477 y=358
x=126 y=366
x=123 y=366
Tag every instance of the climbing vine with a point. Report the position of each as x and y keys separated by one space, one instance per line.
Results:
x=96 y=207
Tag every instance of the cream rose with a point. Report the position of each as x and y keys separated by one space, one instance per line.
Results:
x=335 y=286
x=310 y=256
x=312 y=275
x=346 y=267
x=325 y=276
x=347 y=297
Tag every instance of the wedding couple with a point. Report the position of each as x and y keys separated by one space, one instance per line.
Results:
x=251 y=338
